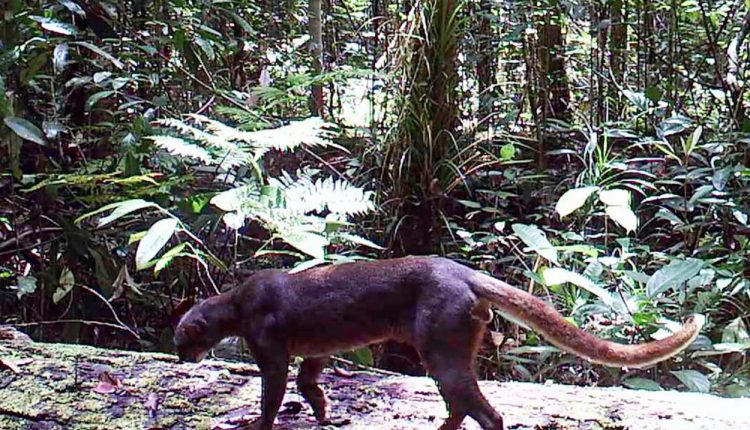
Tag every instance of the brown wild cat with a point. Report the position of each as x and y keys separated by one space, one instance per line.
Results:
x=438 y=306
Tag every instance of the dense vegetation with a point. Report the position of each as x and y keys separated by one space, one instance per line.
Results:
x=594 y=152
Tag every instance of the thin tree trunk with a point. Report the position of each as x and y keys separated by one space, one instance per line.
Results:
x=315 y=24
x=486 y=67
x=554 y=94
x=617 y=53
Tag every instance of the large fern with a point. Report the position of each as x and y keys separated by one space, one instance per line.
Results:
x=307 y=211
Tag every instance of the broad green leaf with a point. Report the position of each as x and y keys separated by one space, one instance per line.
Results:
x=307 y=265
x=735 y=332
x=664 y=213
x=676 y=272
x=73 y=7
x=94 y=99
x=358 y=240
x=470 y=204
x=156 y=237
x=362 y=356
x=623 y=216
x=240 y=21
x=102 y=270
x=696 y=136
x=701 y=192
x=581 y=249
x=167 y=258
x=674 y=125
x=723 y=348
x=55 y=26
x=593 y=270
x=206 y=47
x=25 y=129
x=558 y=276
x=117 y=63
x=573 y=199
x=230 y=200
x=535 y=240
x=654 y=93
x=693 y=380
x=642 y=384
x=638 y=100
x=135 y=237
x=721 y=177
x=615 y=197
x=100 y=77
x=234 y=220
x=622 y=133
x=123 y=208
x=311 y=244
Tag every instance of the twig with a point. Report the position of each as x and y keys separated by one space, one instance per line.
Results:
x=18 y=237
x=65 y=321
x=114 y=314
x=363 y=367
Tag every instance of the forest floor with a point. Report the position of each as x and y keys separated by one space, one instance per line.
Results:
x=59 y=386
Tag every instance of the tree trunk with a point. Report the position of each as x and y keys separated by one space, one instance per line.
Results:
x=486 y=66
x=315 y=24
x=617 y=54
x=554 y=94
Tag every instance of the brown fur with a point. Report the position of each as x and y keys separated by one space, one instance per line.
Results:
x=438 y=306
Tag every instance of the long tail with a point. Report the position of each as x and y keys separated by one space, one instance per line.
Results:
x=545 y=320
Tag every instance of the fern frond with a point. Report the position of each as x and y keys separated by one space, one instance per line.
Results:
x=311 y=132
x=338 y=196
x=182 y=148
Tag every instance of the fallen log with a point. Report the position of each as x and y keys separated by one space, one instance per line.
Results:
x=59 y=386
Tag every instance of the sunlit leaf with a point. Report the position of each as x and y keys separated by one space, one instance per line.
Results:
x=310 y=243
x=168 y=256
x=535 y=239
x=558 y=276
x=357 y=240
x=362 y=356
x=735 y=332
x=623 y=216
x=673 y=274
x=65 y=285
x=674 y=125
x=156 y=237
x=573 y=199
x=25 y=129
x=55 y=26
x=638 y=100
x=60 y=57
x=615 y=197
x=120 y=209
